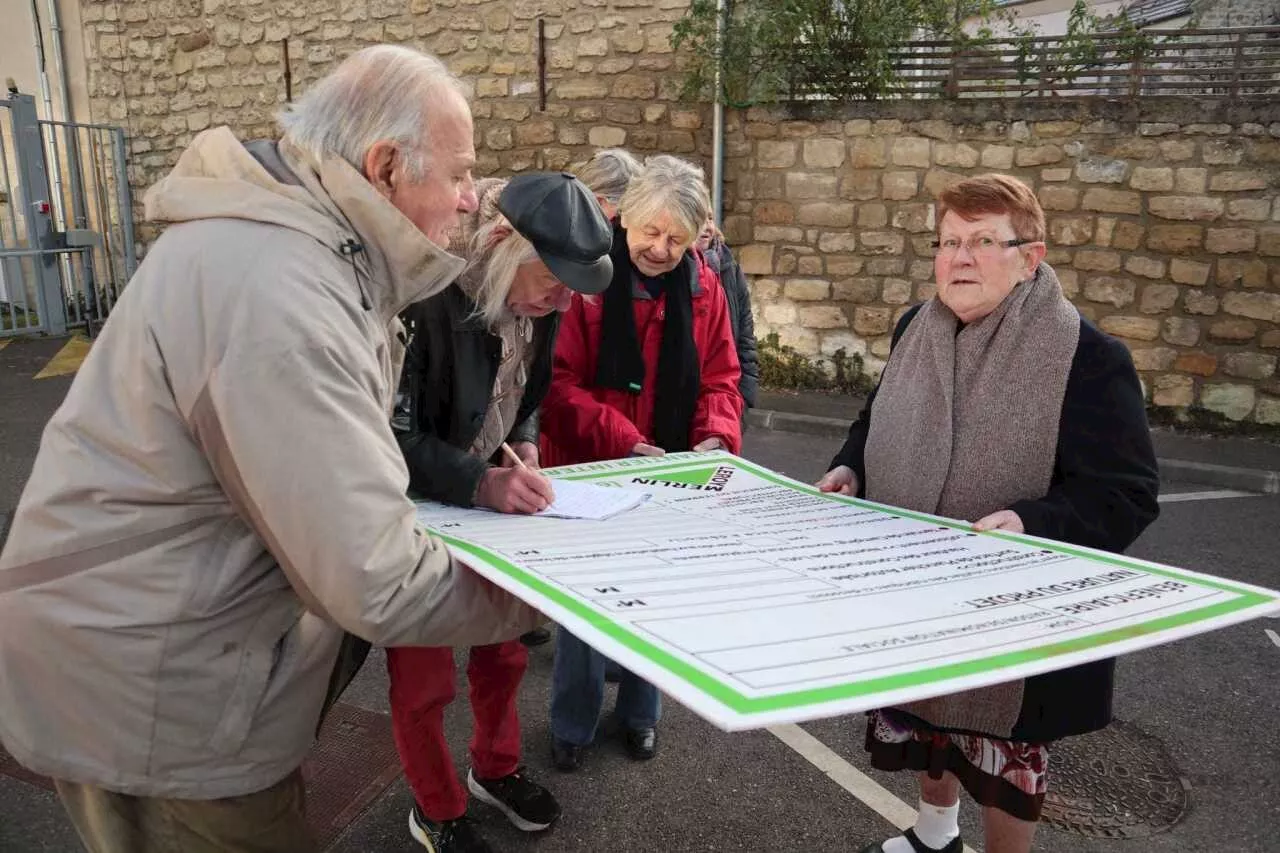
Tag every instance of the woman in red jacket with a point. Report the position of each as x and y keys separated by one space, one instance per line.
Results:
x=646 y=369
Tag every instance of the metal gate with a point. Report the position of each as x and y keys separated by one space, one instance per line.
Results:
x=66 y=221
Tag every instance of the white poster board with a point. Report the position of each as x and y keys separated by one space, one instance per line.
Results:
x=753 y=599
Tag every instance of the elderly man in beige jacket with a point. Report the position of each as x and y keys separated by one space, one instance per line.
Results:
x=221 y=496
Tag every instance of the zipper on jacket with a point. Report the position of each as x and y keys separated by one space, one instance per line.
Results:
x=350 y=248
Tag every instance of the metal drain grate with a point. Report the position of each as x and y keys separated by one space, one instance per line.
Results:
x=354 y=761
x=1116 y=783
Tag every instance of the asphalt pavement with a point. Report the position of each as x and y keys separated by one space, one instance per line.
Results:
x=1201 y=712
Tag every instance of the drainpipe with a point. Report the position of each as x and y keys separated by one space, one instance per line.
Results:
x=68 y=115
x=55 y=168
x=717 y=124
x=59 y=66
x=72 y=137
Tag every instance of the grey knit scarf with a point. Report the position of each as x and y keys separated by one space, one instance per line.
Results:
x=966 y=423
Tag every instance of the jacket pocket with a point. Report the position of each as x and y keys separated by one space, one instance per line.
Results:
x=270 y=650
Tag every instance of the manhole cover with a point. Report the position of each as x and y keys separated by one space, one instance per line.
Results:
x=353 y=762
x=1116 y=783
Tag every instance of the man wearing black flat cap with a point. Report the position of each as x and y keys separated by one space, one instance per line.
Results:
x=478 y=366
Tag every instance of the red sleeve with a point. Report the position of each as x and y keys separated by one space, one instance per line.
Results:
x=571 y=417
x=719 y=411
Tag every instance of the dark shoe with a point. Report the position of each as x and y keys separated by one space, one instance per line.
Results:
x=955 y=846
x=450 y=836
x=567 y=757
x=536 y=637
x=642 y=744
x=529 y=806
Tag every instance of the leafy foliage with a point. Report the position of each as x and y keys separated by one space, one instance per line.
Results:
x=781 y=366
x=778 y=50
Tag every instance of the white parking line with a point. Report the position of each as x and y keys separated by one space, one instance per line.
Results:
x=868 y=791
x=1275 y=638
x=1214 y=495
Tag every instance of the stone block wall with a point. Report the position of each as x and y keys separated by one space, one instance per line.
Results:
x=1164 y=228
x=167 y=69
x=1164 y=218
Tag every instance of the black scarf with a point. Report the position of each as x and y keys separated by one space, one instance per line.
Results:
x=620 y=364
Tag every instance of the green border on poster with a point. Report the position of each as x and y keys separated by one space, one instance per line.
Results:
x=746 y=705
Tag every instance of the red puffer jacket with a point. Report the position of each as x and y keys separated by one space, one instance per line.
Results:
x=582 y=423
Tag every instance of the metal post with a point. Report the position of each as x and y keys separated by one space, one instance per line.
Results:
x=79 y=210
x=33 y=189
x=124 y=199
x=717 y=123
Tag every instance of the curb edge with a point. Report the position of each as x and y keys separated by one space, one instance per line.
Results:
x=1199 y=473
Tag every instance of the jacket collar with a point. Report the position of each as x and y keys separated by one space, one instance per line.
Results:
x=403 y=266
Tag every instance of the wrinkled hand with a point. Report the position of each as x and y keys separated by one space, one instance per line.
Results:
x=713 y=443
x=840 y=479
x=642 y=449
x=1005 y=519
x=516 y=490
x=526 y=450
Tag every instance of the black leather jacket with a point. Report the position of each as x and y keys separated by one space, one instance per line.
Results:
x=448 y=376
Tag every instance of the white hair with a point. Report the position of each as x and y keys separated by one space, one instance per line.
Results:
x=382 y=93
x=500 y=259
x=671 y=185
x=608 y=172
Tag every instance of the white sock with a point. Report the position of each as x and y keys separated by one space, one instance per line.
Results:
x=935 y=827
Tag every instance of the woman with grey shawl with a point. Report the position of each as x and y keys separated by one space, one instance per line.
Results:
x=999 y=403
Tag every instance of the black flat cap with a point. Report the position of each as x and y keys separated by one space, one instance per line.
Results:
x=558 y=214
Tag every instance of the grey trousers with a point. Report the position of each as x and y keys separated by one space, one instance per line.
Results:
x=269 y=821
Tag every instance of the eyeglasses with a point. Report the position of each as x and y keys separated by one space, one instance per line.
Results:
x=985 y=246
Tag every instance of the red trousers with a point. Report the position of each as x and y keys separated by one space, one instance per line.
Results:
x=422 y=684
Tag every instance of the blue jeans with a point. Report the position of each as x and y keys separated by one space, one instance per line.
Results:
x=577 y=693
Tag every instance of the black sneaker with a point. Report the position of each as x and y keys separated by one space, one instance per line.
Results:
x=567 y=757
x=529 y=806
x=536 y=637
x=642 y=744
x=450 y=836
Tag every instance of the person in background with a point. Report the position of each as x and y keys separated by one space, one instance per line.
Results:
x=999 y=403
x=713 y=247
x=220 y=496
x=649 y=368
x=478 y=368
x=607 y=174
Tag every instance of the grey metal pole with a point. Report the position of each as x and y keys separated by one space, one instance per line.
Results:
x=74 y=168
x=33 y=188
x=126 y=204
x=46 y=95
x=717 y=123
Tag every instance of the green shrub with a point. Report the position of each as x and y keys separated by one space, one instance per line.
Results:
x=782 y=367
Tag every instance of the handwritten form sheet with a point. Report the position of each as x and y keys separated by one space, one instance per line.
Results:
x=587 y=500
x=754 y=600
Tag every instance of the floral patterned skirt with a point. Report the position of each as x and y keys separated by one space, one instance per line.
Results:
x=1007 y=775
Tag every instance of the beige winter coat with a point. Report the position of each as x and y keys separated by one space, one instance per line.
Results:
x=221 y=494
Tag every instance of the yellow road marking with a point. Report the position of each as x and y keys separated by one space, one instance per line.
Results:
x=68 y=359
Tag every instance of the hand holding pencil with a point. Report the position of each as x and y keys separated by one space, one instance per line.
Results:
x=517 y=486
